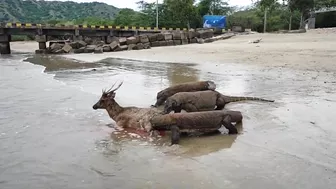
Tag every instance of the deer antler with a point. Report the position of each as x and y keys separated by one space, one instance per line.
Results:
x=111 y=88
x=117 y=87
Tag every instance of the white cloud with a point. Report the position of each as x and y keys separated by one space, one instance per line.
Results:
x=132 y=3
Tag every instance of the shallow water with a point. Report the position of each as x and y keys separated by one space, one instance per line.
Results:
x=50 y=137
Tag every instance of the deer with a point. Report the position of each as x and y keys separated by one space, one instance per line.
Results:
x=126 y=117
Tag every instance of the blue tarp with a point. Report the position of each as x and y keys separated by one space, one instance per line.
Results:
x=214 y=21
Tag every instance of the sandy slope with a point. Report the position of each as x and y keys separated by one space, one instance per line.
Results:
x=312 y=50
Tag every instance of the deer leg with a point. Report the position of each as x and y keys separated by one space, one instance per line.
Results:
x=175 y=134
x=228 y=125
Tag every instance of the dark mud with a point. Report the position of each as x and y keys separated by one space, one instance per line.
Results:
x=52 y=138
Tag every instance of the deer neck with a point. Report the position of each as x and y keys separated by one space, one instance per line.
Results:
x=114 y=109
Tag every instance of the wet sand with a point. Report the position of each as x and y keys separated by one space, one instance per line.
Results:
x=287 y=144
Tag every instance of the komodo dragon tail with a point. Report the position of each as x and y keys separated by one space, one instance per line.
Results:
x=242 y=98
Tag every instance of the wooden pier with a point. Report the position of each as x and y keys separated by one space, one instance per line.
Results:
x=41 y=31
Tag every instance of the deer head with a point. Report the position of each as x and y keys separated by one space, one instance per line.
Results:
x=107 y=98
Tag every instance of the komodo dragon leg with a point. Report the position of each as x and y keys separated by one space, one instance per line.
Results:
x=175 y=134
x=220 y=104
x=228 y=125
x=190 y=108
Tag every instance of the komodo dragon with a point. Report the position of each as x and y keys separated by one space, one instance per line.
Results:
x=202 y=101
x=208 y=121
x=183 y=87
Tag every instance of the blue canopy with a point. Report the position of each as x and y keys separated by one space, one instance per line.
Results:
x=214 y=21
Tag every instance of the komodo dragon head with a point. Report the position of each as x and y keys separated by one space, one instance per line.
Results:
x=107 y=98
x=170 y=104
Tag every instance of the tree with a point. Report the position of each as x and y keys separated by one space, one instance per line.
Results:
x=265 y=6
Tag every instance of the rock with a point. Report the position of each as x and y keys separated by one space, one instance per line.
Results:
x=200 y=40
x=90 y=49
x=121 y=48
x=184 y=41
x=98 y=50
x=147 y=46
x=168 y=36
x=155 y=44
x=176 y=35
x=110 y=39
x=99 y=43
x=237 y=29
x=106 y=48
x=67 y=48
x=114 y=45
x=209 y=40
x=59 y=51
x=132 y=40
x=163 y=43
x=131 y=47
x=144 y=39
x=184 y=35
x=80 y=50
x=177 y=42
x=88 y=41
x=170 y=43
x=55 y=47
x=41 y=51
x=139 y=46
x=192 y=34
x=78 y=44
x=160 y=37
x=193 y=40
x=122 y=41
x=152 y=37
x=205 y=34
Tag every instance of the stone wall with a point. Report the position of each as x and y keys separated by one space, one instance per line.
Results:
x=112 y=44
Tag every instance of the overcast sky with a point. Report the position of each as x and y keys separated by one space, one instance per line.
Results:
x=131 y=3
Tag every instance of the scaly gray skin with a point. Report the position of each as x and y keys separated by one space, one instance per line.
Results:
x=202 y=101
x=196 y=121
x=183 y=87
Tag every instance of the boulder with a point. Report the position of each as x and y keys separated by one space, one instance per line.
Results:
x=67 y=48
x=59 y=51
x=131 y=47
x=144 y=39
x=99 y=43
x=110 y=39
x=98 y=50
x=122 y=40
x=114 y=45
x=90 y=48
x=152 y=37
x=160 y=37
x=147 y=46
x=176 y=35
x=55 y=47
x=80 y=50
x=155 y=44
x=132 y=40
x=168 y=36
x=192 y=34
x=177 y=42
x=170 y=43
x=200 y=40
x=139 y=46
x=106 y=48
x=88 y=41
x=205 y=34
x=193 y=40
x=78 y=44
x=209 y=40
x=121 y=48
x=184 y=41
x=163 y=43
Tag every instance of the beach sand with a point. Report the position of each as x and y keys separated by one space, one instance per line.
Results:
x=313 y=50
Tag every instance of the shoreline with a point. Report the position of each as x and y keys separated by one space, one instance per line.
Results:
x=308 y=51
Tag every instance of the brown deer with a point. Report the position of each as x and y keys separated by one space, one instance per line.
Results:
x=127 y=117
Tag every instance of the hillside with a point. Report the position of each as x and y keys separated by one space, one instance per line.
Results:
x=40 y=11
